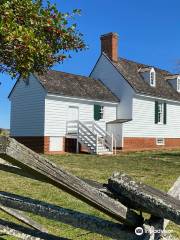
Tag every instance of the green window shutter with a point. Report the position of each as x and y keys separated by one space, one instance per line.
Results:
x=156 y=112
x=165 y=113
x=97 y=112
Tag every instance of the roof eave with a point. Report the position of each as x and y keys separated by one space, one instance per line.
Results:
x=12 y=90
x=81 y=98
x=157 y=97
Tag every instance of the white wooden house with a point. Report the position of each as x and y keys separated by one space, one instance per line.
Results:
x=148 y=115
x=49 y=113
x=134 y=105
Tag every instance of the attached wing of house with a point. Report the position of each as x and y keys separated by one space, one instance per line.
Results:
x=59 y=112
x=148 y=115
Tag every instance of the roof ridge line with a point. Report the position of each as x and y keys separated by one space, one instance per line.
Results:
x=146 y=65
x=53 y=70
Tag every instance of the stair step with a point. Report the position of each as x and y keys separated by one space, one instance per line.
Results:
x=87 y=142
x=87 y=137
x=105 y=153
x=105 y=149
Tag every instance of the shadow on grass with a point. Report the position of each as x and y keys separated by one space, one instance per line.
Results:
x=20 y=172
x=168 y=154
x=17 y=230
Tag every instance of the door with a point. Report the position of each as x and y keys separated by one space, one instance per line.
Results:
x=73 y=115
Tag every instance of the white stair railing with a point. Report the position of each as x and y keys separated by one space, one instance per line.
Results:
x=109 y=140
x=92 y=135
x=84 y=134
x=97 y=142
x=72 y=127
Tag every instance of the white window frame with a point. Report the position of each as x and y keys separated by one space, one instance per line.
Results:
x=102 y=112
x=161 y=113
x=152 y=78
x=178 y=84
x=160 y=141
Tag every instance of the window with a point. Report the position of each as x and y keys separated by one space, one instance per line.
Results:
x=98 y=112
x=178 y=84
x=159 y=141
x=152 y=78
x=160 y=112
x=102 y=112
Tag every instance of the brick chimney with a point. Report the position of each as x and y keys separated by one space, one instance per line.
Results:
x=109 y=45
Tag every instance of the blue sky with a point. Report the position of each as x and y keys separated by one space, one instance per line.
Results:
x=149 y=32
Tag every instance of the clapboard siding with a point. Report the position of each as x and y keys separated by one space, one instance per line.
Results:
x=143 y=123
x=27 y=109
x=56 y=113
x=139 y=109
x=116 y=129
x=109 y=113
x=108 y=74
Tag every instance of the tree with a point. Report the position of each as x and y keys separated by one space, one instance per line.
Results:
x=34 y=37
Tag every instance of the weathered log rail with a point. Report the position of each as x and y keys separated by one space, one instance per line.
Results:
x=18 y=154
x=22 y=218
x=145 y=198
x=118 y=199
x=22 y=232
x=67 y=216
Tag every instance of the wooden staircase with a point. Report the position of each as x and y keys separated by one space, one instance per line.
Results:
x=92 y=136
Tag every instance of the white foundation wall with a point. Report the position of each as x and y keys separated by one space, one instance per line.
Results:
x=143 y=123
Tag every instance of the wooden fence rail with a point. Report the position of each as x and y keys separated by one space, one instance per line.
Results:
x=25 y=233
x=118 y=199
x=67 y=216
x=18 y=154
x=145 y=198
x=23 y=218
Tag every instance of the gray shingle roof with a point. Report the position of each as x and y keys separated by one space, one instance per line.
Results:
x=67 y=84
x=130 y=71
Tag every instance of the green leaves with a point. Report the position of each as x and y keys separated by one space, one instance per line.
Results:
x=34 y=37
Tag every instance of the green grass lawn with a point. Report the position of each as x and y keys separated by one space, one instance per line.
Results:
x=158 y=169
